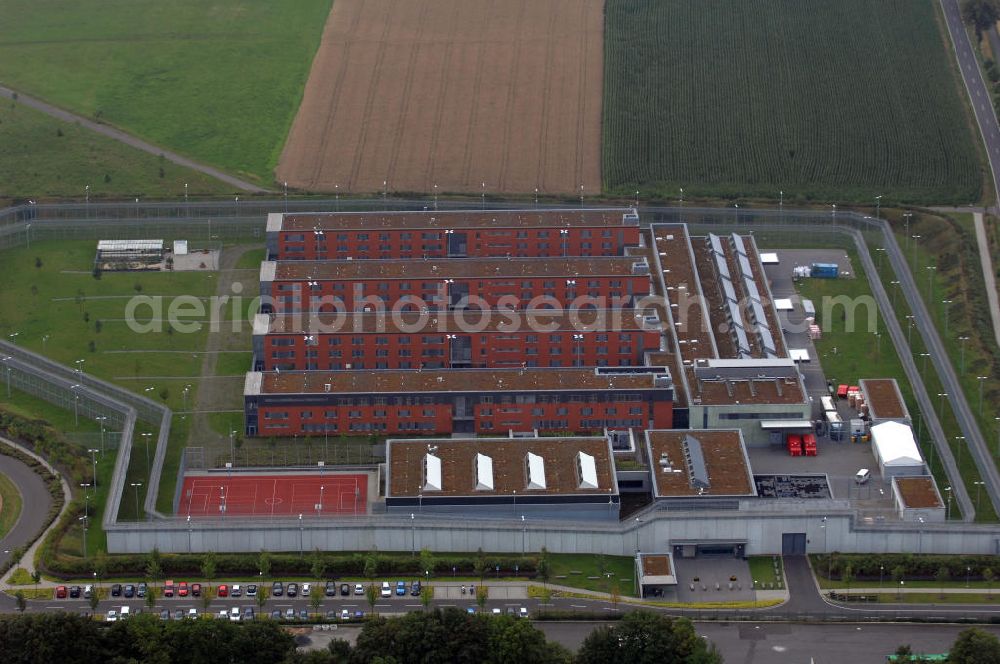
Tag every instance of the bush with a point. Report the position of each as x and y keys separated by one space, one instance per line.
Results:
x=865 y=567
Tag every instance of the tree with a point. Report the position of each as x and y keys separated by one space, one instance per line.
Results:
x=641 y=638
x=482 y=594
x=154 y=566
x=151 y=597
x=479 y=565
x=371 y=594
x=262 y=596
x=318 y=567
x=942 y=576
x=94 y=601
x=980 y=14
x=371 y=565
x=36 y=577
x=208 y=566
x=426 y=596
x=847 y=576
x=426 y=561
x=615 y=595
x=100 y=566
x=264 y=564
x=988 y=578
x=315 y=598
x=975 y=646
x=546 y=596
x=22 y=604
x=207 y=595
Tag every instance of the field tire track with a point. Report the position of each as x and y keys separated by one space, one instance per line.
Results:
x=581 y=99
x=405 y=106
x=359 y=151
x=509 y=115
x=430 y=168
x=474 y=103
x=544 y=133
x=324 y=138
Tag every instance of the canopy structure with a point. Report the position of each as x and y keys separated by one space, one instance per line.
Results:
x=536 y=471
x=896 y=450
x=432 y=472
x=484 y=473
x=587 y=470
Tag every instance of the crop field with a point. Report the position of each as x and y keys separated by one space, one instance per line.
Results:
x=829 y=101
x=468 y=95
x=215 y=80
x=47 y=157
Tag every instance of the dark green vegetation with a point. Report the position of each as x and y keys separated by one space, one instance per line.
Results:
x=43 y=155
x=217 y=81
x=973 y=646
x=825 y=101
x=647 y=638
x=918 y=571
x=10 y=505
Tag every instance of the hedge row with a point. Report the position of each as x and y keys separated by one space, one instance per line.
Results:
x=914 y=567
x=41 y=438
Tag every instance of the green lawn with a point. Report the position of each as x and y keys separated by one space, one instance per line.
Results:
x=233 y=364
x=933 y=598
x=762 y=570
x=251 y=260
x=589 y=572
x=219 y=81
x=46 y=157
x=836 y=101
x=10 y=505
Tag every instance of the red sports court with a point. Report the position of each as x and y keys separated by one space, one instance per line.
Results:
x=277 y=495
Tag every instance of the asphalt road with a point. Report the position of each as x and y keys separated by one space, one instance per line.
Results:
x=35 y=503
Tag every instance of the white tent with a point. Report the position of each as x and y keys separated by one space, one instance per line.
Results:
x=896 y=450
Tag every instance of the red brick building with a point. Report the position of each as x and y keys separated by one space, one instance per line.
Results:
x=371 y=285
x=455 y=339
x=456 y=400
x=451 y=234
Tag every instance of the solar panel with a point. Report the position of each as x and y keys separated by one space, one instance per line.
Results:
x=737 y=241
x=751 y=287
x=716 y=243
x=721 y=266
x=734 y=314
x=758 y=313
x=766 y=339
x=730 y=292
x=694 y=459
x=745 y=266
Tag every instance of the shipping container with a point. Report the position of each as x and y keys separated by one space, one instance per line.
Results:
x=842 y=391
x=809 y=445
x=809 y=308
x=828 y=404
x=824 y=271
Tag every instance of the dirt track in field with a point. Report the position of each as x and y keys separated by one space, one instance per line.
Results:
x=454 y=93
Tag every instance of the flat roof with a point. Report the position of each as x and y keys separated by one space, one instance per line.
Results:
x=883 y=398
x=724 y=458
x=448 y=219
x=541 y=321
x=656 y=565
x=454 y=268
x=508 y=456
x=444 y=380
x=918 y=492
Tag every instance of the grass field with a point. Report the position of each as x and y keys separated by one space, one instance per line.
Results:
x=46 y=157
x=590 y=572
x=10 y=505
x=219 y=81
x=829 y=101
x=762 y=570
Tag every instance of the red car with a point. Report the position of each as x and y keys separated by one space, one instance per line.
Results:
x=182 y=589
x=60 y=592
x=168 y=589
x=196 y=590
x=223 y=591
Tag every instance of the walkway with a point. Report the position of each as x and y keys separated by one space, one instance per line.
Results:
x=127 y=139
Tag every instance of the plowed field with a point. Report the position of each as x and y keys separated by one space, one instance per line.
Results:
x=453 y=93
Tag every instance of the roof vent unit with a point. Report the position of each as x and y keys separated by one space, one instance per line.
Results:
x=641 y=267
x=534 y=467
x=586 y=469
x=432 y=473
x=484 y=473
x=662 y=381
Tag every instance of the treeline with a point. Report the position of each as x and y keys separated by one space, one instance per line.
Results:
x=911 y=567
x=437 y=636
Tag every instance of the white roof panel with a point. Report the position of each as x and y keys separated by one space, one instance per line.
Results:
x=587 y=469
x=751 y=287
x=894 y=444
x=784 y=304
x=799 y=354
x=536 y=471
x=432 y=472
x=484 y=473
x=769 y=259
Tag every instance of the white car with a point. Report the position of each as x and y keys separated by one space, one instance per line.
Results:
x=522 y=612
x=192 y=614
x=496 y=612
x=111 y=616
x=223 y=614
x=234 y=614
x=345 y=614
x=306 y=588
x=386 y=589
x=359 y=589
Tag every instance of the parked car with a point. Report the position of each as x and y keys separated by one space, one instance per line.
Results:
x=289 y=614
x=331 y=615
x=470 y=610
x=111 y=616
x=195 y=590
x=415 y=588
x=140 y=590
x=306 y=589
x=88 y=592
x=165 y=614
x=60 y=592
x=252 y=590
x=277 y=590
x=128 y=590
x=168 y=589
x=345 y=590
x=400 y=588
x=178 y=614
x=223 y=590
x=182 y=589
x=386 y=589
x=292 y=590
x=223 y=614
x=522 y=612
x=234 y=614
x=192 y=614
x=247 y=613
x=331 y=589
x=236 y=591
x=359 y=589
x=303 y=615
x=358 y=615
x=345 y=614
x=74 y=592
x=116 y=590
x=124 y=613
x=276 y=615
x=496 y=611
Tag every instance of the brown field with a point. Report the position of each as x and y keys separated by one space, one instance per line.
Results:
x=452 y=93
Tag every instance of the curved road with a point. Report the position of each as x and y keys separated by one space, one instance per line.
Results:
x=35 y=505
x=128 y=139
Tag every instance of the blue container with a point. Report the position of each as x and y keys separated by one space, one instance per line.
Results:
x=824 y=271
